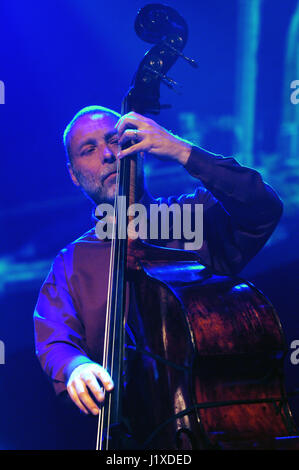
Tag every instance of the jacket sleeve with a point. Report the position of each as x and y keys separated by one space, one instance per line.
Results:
x=59 y=332
x=240 y=210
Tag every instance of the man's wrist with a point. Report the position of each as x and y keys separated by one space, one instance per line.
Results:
x=184 y=151
x=77 y=361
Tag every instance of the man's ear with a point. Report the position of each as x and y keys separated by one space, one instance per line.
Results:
x=72 y=174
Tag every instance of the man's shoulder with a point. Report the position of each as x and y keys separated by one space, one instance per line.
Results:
x=85 y=243
x=80 y=255
x=89 y=236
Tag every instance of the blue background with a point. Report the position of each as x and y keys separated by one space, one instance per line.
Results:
x=59 y=56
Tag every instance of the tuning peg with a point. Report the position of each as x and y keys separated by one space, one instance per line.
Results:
x=164 y=78
x=169 y=81
x=171 y=84
x=190 y=61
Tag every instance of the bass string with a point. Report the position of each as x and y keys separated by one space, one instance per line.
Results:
x=100 y=429
x=122 y=174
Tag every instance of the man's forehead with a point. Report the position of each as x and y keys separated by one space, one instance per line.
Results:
x=93 y=122
x=92 y=125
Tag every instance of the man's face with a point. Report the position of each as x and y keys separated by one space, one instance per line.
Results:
x=94 y=146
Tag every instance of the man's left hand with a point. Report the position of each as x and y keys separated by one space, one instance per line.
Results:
x=151 y=138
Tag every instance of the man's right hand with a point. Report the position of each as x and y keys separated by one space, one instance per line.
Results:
x=83 y=380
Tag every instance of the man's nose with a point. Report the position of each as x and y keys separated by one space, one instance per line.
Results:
x=108 y=155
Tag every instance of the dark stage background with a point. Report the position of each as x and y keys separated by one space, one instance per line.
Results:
x=59 y=56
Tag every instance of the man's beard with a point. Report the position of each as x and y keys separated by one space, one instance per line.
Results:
x=96 y=192
x=99 y=196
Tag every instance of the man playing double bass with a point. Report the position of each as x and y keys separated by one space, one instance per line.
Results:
x=240 y=212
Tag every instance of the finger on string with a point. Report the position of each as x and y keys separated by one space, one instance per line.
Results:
x=85 y=398
x=130 y=120
x=130 y=134
x=74 y=396
x=94 y=387
x=131 y=150
x=126 y=116
x=126 y=126
x=105 y=378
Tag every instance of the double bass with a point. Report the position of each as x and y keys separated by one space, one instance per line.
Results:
x=202 y=365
